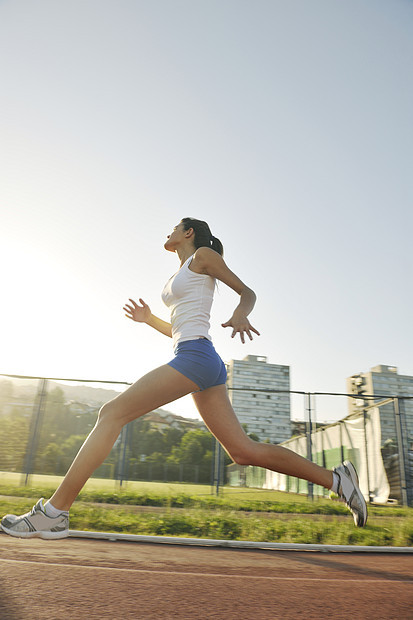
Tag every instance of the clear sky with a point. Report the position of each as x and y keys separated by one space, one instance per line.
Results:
x=287 y=125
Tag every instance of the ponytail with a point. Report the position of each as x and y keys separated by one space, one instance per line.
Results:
x=217 y=245
x=203 y=236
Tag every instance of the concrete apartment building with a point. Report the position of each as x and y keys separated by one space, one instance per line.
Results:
x=265 y=414
x=385 y=381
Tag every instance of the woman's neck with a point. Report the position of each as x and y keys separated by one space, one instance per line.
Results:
x=185 y=253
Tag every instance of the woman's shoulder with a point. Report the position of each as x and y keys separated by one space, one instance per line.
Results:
x=206 y=254
x=203 y=258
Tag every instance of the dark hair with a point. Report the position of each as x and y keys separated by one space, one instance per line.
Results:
x=203 y=236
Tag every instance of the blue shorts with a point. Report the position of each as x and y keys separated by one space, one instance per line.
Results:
x=198 y=361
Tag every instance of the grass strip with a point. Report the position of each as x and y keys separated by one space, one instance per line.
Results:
x=230 y=524
x=280 y=503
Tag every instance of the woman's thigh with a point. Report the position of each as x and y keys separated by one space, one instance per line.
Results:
x=155 y=389
x=216 y=410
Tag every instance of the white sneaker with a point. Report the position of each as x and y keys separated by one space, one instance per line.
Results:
x=348 y=490
x=36 y=523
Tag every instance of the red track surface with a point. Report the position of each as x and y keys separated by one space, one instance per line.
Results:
x=98 y=579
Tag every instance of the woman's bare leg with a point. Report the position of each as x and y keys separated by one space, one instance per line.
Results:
x=157 y=388
x=216 y=410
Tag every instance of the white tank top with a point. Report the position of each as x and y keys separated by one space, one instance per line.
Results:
x=189 y=297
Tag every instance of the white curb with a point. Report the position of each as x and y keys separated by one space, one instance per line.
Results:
x=236 y=544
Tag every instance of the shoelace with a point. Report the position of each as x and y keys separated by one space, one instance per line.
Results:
x=32 y=512
x=341 y=494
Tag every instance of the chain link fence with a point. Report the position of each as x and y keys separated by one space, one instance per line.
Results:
x=43 y=423
x=377 y=438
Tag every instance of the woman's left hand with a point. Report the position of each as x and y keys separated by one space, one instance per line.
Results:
x=240 y=325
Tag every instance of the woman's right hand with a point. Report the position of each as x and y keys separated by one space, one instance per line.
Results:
x=136 y=312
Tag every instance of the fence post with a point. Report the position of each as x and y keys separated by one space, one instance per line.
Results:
x=400 y=445
x=366 y=453
x=214 y=447
x=217 y=470
x=309 y=443
x=341 y=440
x=35 y=425
x=124 y=445
x=323 y=456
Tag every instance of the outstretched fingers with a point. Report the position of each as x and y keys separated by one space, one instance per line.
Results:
x=129 y=309
x=135 y=311
x=241 y=330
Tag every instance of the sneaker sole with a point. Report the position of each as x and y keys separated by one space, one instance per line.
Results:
x=44 y=535
x=355 y=480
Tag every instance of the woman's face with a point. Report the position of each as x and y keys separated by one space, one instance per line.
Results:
x=175 y=238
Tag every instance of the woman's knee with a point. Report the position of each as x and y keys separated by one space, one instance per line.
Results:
x=110 y=412
x=244 y=454
x=119 y=411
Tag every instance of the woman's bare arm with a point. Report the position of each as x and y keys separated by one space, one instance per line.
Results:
x=142 y=314
x=210 y=262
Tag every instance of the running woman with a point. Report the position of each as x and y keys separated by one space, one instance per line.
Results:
x=195 y=369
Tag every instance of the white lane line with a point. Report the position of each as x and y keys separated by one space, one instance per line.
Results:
x=360 y=581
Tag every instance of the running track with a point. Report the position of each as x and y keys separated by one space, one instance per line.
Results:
x=97 y=579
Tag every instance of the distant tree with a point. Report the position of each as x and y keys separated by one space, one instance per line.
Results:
x=69 y=448
x=14 y=430
x=152 y=441
x=56 y=422
x=195 y=452
x=51 y=459
x=156 y=457
x=172 y=437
